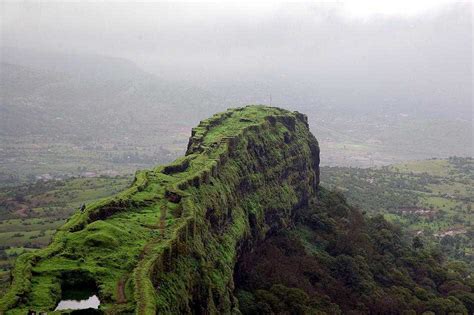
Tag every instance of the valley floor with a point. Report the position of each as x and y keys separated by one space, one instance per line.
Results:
x=432 y=199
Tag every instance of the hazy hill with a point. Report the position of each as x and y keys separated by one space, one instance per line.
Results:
x=89 y=94
x=63 y=111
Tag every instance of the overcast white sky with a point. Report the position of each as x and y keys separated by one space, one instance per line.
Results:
x=410 y=51
x=85 y=25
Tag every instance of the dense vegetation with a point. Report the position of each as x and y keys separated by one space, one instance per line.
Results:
x=431 y=199
x=336 y=261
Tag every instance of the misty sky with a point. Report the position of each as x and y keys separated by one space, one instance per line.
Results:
x=352 y=52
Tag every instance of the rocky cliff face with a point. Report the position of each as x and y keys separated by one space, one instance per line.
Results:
x=169 y=243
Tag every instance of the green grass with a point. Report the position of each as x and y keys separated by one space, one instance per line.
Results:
x=136 y=235
x=430 y=167
x=439 y=202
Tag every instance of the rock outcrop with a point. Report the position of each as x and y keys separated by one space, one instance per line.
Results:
x=170 y=242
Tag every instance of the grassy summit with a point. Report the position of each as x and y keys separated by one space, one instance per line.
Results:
x=142 y=247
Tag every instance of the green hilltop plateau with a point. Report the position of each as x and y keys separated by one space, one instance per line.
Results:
x=169 y=242
x=239 y=225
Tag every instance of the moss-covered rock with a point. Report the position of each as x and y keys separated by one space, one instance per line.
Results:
x=170 y=242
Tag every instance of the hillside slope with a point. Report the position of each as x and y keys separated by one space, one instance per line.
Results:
x=336 y=261
x=170 y=242
x=238 y=225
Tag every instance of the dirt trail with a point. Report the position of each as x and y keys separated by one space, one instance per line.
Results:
x=121 y=291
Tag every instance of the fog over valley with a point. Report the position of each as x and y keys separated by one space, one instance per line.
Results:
x=374 y=80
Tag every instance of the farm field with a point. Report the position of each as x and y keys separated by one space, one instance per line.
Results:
x=30 y=213
x=432 y=199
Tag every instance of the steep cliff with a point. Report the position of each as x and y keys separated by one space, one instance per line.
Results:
x=169 y=244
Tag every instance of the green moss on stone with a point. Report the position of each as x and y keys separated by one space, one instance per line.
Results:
x=173 y=237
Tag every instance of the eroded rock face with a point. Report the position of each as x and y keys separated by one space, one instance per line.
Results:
x=179 y=229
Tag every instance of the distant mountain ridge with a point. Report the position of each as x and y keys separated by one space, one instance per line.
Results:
x=89 y=93
x=80 y=65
